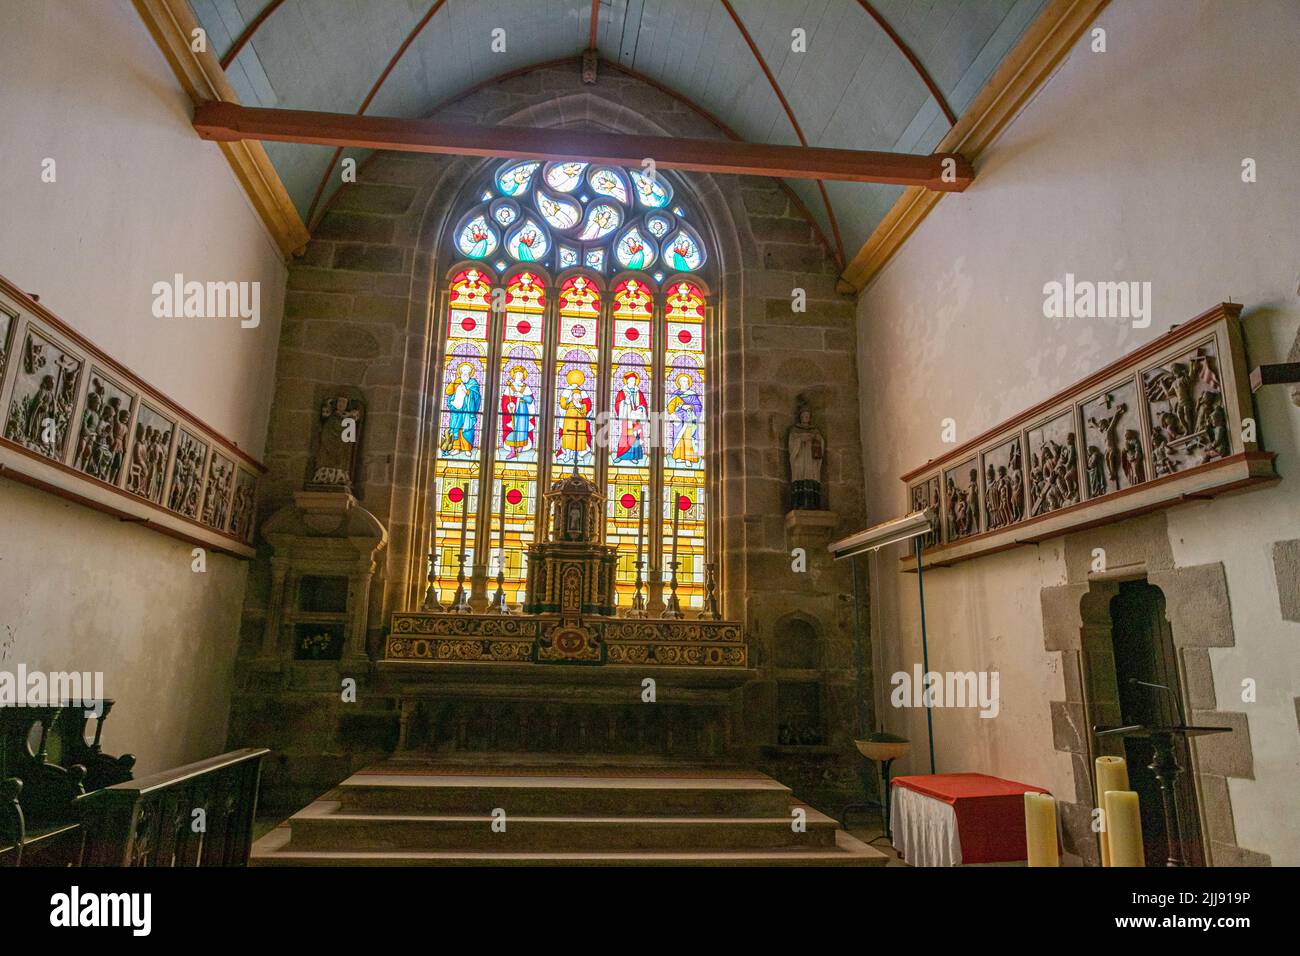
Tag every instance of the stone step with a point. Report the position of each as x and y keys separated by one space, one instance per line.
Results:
x=324 y=826
x=594 y=794
x=559 y=813
x=272 y=850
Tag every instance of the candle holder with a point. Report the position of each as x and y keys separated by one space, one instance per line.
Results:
x=431 y=604
x=499 y=604
x=710 y=610
x=460 y=605
x=638 y=600
x=673 y=607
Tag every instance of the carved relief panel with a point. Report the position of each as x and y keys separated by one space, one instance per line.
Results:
x=187 y=475
x=1112 y=425
x=1189 y=418
x=1054 y=465
x=926 y=495
x=72 y=420
x=104 y=429
x=150 y=452
x=1003 y=472
x=1146 y=431
x=43 y=396
x=961 y=500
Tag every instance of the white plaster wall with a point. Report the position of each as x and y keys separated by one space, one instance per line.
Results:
x=138 y=197
x=1125 y=166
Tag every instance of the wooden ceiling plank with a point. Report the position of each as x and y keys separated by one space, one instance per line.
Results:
x=230 y=122
x=172 y=23
x=1029 y=64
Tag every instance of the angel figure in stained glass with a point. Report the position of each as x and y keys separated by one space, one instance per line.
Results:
x=682 y=254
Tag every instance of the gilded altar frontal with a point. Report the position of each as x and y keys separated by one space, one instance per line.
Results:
x=650 y=433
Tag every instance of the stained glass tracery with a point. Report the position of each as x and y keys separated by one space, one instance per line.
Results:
x=541 y=376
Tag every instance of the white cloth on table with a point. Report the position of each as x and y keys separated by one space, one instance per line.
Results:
x=925 y=829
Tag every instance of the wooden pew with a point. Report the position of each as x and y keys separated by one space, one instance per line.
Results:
x=154 y=821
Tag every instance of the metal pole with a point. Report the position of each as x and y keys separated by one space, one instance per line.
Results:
x=859 y=653
x=925 y=656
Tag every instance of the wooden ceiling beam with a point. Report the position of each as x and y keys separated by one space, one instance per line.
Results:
x=1033 y=59
x=230 y=122
x=172 y=25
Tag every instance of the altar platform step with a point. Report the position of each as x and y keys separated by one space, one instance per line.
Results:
x=573 y=816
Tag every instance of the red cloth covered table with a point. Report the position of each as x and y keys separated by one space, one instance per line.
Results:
x=989 y=811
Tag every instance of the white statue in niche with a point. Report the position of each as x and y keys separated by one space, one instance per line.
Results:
x=807 y=448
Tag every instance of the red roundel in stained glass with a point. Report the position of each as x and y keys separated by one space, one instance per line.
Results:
x=628 y=501
x=524 y=326
x=513 y=496
x=468 y=324
x=456 y=494
x=684 y=336
x=683 y=503
x=632 y=334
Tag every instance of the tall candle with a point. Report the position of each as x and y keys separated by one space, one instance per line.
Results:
x=676 y=514
x=1124 y=828
x=464 y=517
x=1112 y=774
x=502 y=518
x=1040 y=830
x=640 y=522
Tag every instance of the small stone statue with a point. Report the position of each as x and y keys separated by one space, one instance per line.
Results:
x=340 y=434
x=807 y=450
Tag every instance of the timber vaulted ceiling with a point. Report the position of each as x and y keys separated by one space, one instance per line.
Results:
x=892 y=76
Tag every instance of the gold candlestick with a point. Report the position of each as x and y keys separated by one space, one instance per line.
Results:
x=499 y=599
x=710 y=611
x=673 y=609
x=638 y=601
x=461 y=603
x=431 y=602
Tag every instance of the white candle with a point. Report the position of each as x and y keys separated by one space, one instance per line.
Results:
x=1112 y=774
x=502 y=539
x=640 y=523
x=676 y=514
x=1040 y=830
x=464 y=517
x=1124 y=828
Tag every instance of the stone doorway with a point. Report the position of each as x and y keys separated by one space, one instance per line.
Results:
x=1142 y=654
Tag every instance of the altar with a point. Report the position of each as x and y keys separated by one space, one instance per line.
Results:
x=566 y=673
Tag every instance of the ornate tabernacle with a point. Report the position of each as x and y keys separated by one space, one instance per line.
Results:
x=568 y=609
x=571 y=573
x=1170 y=422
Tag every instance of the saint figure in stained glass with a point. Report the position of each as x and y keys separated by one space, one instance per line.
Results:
x=632 y=413
x=464 y=400
x=517 y=419
x=684 y=409
x=575 y=426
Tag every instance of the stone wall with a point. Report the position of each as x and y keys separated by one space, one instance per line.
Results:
x=357 y=314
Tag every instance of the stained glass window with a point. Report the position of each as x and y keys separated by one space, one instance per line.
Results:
x=559 y=353
x=683 y=392
x=460 y=440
